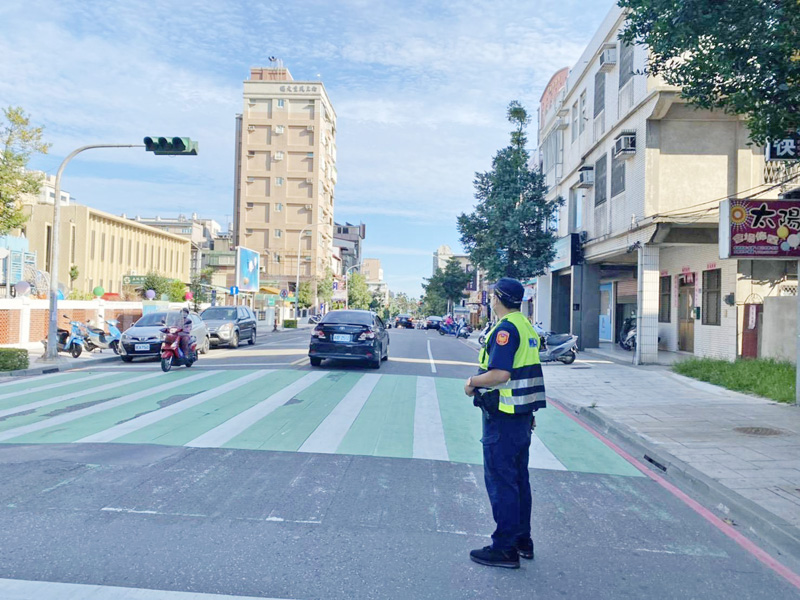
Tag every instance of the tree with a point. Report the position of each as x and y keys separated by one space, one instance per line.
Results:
x=19 y=142
x=199 y=285
x=737 y=55
x=454 y=280
x=305 y=297
x=508 y=234
x=176 y=290
x=434 y=301
x=358 y=294
x=325 y=287
x=158 y=283
x=73 y=274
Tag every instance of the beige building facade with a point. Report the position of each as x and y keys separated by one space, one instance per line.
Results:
x=285 y=175
x=104 y=247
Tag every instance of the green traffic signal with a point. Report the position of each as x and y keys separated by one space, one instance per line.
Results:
x=176 y=146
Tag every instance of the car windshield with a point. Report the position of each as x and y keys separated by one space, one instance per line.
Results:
x=352 y=317
x=155 y=319
x=219 y=313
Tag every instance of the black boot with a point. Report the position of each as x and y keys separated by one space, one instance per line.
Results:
x=525 y=548
x=490 y=557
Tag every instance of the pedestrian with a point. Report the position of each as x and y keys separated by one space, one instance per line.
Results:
x=509 y=388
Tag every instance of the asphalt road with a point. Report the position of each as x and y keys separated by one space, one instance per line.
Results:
x=255 y=475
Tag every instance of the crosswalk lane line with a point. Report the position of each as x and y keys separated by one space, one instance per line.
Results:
x=73 y=395
x=78 y=414
x=541 y=458
x=224 y=433
x=326 y=438
x=428 y=430
x=164 y=413
x=50 y=386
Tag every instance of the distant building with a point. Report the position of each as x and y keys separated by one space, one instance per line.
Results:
x=350 y=238
x=371 y=269
x=443 y=255
x=200 y=232
x=472 y=293
x=47 y=193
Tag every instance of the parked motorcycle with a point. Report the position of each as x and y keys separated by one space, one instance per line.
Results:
x=72 y=341
x=171 y=353
x=561 y=347
x=627 y=335
x=456 y=330
x=96 y=338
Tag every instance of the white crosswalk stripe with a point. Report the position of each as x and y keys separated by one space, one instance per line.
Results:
x=50 y=386
x=428 y=431
x=78 y=414
x=72 y=395
x=541 y=458
x=164 y=413
x=330 y=433
x=224 y=433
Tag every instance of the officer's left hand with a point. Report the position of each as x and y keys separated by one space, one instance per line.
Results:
x=468 y=389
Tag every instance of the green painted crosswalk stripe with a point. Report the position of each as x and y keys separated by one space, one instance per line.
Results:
x=102 y=420
x=385 y=425
x=22 y=384
x=461 y=422
x=577 y=449
x=288 y=426
x=66 y=387
x=186 y=426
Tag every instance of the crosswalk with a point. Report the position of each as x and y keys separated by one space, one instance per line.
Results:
x=330 y=412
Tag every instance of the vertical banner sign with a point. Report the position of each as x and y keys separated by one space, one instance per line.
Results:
x=247 y=268
x=766 y=229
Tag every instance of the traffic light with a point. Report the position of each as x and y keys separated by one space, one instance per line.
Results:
x=176 y=146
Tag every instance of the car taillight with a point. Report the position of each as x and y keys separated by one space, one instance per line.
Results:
x=367 y=335
x=319 y=334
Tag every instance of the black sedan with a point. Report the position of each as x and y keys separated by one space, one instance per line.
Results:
x=433 y=322
x=356 y=335
x=404 y=321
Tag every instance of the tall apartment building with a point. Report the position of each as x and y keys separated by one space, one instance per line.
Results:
x=642 y=174
x=285 y=175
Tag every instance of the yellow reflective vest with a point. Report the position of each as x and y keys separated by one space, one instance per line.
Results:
x=524 y=392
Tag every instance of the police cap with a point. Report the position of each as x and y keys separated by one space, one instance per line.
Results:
x=509 y=290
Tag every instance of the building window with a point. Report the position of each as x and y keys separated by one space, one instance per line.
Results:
x=277 y=258
x=111 y=250
x=102 y=248
x=278 y=207
x=599 y=93
x=72 y=244
x=121 y=250
x=664 y=298
x=309 y=154
x=625 y=64
x=574 y=121
x=137 y=254
x=281 y=103
x=575 y=210
x=91 y=249
x=278 y=234
x=278 y=181
x=600 y=191
x=584 y=116
x=712 y=298
x=617 y=175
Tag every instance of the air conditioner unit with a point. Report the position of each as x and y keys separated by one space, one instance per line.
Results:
x=586 y=178
x=279 y=155
x=309 y=180
x=251 y=153
x=279 y=129
x=251 y=128
x=584 y=235
x=625 y=145
x=310 y=128
x=608 y=59
x=251 y=179
x=561 y=124
x=307 y=206
x=248 y=232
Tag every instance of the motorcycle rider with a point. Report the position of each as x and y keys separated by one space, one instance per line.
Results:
x=184 y=335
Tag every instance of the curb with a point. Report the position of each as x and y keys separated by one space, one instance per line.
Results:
x=57 y=368
x=744 y=514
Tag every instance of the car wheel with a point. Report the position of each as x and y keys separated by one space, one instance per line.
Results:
x=386 y=356
x=206 y=346
x=126 y=359
x=315 y=362
x=234 y=340
x=252 y=339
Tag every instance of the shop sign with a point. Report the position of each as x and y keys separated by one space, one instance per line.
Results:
x=786 y=149
x=567 y=252
x=766 y=229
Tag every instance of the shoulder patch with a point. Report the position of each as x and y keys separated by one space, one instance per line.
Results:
x=502 y=338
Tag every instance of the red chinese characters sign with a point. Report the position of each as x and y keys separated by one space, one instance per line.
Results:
x=759 y=229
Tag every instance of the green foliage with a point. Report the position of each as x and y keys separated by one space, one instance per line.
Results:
x=199 y=287
x=358 y=294
x=768 y=378
x=13 y=359
x=434 y=302
x=290 y=324
x=508 y=234
x=176 y=291
x=325 y=287
x=158 y=283
x=377 y=302
x=305 y=297
x=18 y=142
x=737 y=55
x=79 y=295
x=446 y=286
x=401 y=303
x=73 y=274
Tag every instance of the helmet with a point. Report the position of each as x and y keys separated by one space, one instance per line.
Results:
x=509 y=290
x=185 y=311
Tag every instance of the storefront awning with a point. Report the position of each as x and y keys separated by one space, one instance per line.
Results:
x=269 y=290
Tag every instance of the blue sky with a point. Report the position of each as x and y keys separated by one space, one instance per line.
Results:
x=420 y=90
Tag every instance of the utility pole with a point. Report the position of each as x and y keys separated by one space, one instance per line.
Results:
x=297 y=281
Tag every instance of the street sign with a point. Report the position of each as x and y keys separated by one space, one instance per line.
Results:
x=785 y=149
x=284 y=294
x=759 y=229
x=134 y=280
x=234 y=290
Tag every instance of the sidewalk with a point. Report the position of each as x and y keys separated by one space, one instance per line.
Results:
x=64 y=363
x=741 y=452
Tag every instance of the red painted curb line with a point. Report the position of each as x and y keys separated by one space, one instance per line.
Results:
x=737 y=537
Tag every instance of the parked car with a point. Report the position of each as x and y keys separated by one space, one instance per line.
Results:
x=228 y=325
x=357 y=335
x=404 y=321
x=143 y=339
x=433 y=322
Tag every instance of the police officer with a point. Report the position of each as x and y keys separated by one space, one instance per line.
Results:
x=508 y=389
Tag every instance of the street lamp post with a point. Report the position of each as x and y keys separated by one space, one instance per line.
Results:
x=297 y=281
x=51 y=353
x=346 y=284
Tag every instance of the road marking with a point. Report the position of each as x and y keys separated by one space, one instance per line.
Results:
x=164 y=413
x=18 y=589
x=540 y=457
x=78 y=414
x=72 y=395
x=196 y=366
x=330 y=433
x=430 y=356
x=224 y=433
x=437 y=362
x=48 y=387
x=428 y=431
x=299 y=361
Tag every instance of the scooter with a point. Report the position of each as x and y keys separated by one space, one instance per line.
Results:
x=561 y=347
x=627 y=335
x=171 y=353
x=96 y=338
x=456 y=330
x=71 y=341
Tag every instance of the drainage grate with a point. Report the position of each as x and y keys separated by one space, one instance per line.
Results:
x=761 y=431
